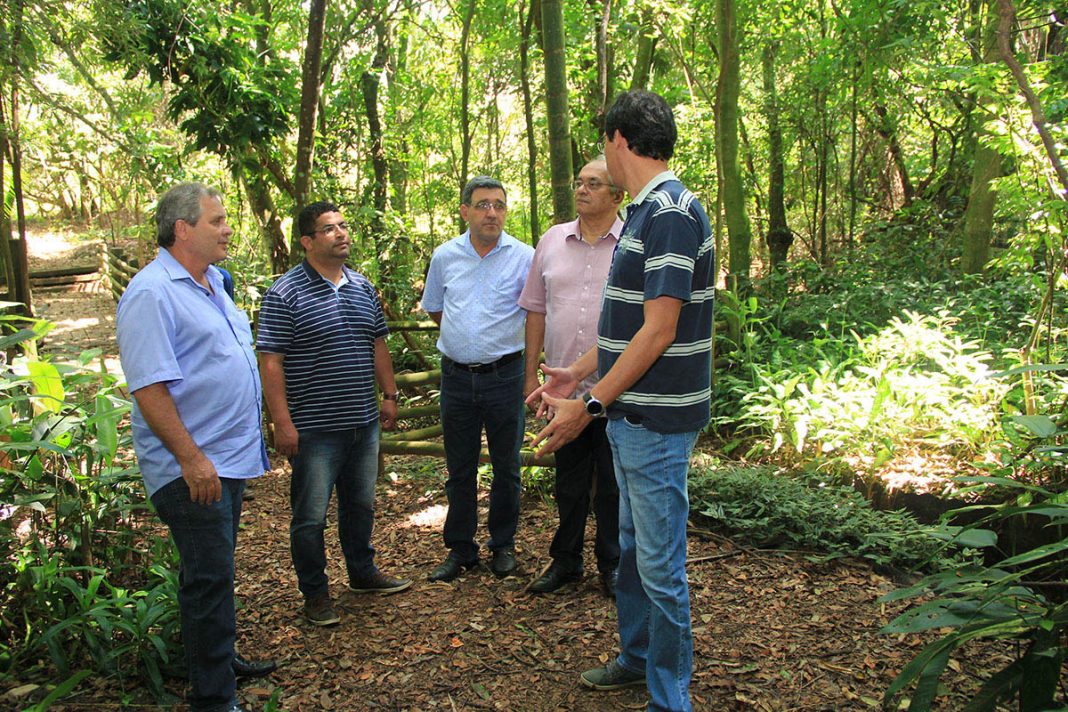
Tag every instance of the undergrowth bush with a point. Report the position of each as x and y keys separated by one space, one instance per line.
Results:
x=85 y=580
x=772 y=508
x=912 y=385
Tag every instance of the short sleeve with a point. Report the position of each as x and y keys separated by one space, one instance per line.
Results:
x=434 y=292
x=671 y=243
x=145 y=330
x=275 y=331
x=533 y=297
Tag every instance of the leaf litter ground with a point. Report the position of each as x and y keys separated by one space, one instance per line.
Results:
x=772 y=630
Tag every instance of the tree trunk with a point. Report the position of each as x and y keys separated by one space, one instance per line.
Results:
x=465 y=98
x=604 y=76
x=19 y=288
x=369 y=83
x=266 y=213
x=528 y=117
x=986 y=166
x=733 y=192
x=779 y=237
x=887 y=129
x=643 y=63
x=560 y=166
x=309 y=107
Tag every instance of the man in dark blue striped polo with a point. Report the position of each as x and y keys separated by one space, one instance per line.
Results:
x=654 y=346
x=322 y=346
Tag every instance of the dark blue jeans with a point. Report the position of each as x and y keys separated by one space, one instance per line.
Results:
x=348 y=461
x=583 y=464
x=205 y=535
x=469 y=402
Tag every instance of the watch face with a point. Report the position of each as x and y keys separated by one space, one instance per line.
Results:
x=593 y=406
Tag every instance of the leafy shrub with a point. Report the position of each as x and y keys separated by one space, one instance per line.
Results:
x=1020 y=599
x=76 y=547
x=773 y=508
x=913 y=384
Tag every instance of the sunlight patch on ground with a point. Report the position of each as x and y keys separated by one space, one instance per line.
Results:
x=433 y=516
x=67 y=325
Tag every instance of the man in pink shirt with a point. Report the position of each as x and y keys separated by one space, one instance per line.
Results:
x=562 y=297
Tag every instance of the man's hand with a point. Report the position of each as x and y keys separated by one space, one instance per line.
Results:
x=203 y=481
x=531 y=384
x=388 y=414
x=569 y=421
x=286 y=439
x=560 y=384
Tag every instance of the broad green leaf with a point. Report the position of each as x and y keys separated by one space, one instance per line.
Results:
x=1039 y=425
x=47 y=384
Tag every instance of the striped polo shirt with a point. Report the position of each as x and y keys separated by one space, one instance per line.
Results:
x=666 y=249
x=328 y=337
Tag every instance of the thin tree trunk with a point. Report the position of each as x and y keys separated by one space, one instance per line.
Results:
x=604 y=89
x=643 y=63
x=986 y=167
x=733 y=192
x=309 y=107
x=1038 y=116
x=888 y=130
x=779 y=237
x=20 y=291
x=465 y=97
x=560 y=165
x=853 y=155
x=528 y=117
x=264 y=210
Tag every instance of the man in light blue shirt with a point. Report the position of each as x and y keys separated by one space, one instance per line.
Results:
x=472 y=292
x=187 y=355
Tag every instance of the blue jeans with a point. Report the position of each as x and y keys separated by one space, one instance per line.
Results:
x=652 y=595
x=205 y=536
x=469 y=402
x=347 y=460
x=582 y=464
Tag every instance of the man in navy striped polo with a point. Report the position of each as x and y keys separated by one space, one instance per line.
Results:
x=322 y=346
x=654 y=347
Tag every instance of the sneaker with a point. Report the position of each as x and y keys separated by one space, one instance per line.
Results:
x=379 y=583
x=320 y=611
x=611 y=677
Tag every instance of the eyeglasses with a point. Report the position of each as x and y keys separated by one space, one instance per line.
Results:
x=484 y=205
x=331 y=229
x=592 y=185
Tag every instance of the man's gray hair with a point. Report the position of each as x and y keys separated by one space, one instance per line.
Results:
x=480 y=182
x=182 y=202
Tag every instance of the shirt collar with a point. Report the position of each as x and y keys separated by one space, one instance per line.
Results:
x=505 y=241
x=347 y=275
x=572 y=231
x=659 y=178
x=177 y=271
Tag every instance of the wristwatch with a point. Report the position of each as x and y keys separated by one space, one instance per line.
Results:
x=593 y=406
x=391 y=396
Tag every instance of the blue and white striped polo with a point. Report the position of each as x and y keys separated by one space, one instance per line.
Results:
x=327 y=335
x=666 y=249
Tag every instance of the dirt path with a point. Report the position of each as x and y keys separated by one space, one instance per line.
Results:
x=771 y=631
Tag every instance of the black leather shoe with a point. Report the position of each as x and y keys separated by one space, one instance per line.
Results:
x=608 y=581
x=554 y=578
x=450 y=568
x=503 y=562
x=253 y=668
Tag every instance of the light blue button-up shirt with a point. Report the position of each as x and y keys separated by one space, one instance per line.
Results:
x=481 y=318
x=172 y=330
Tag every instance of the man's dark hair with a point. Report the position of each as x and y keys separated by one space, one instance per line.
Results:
x=646 y=121
x=310 y=213
x=480 y=182
x=182 y=202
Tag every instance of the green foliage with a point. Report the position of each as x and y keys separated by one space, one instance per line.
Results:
x=772 y=508
x=69 y=507
x=913 y=384
x=1018 y=599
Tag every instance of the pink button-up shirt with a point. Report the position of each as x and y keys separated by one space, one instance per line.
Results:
x=566 y=283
